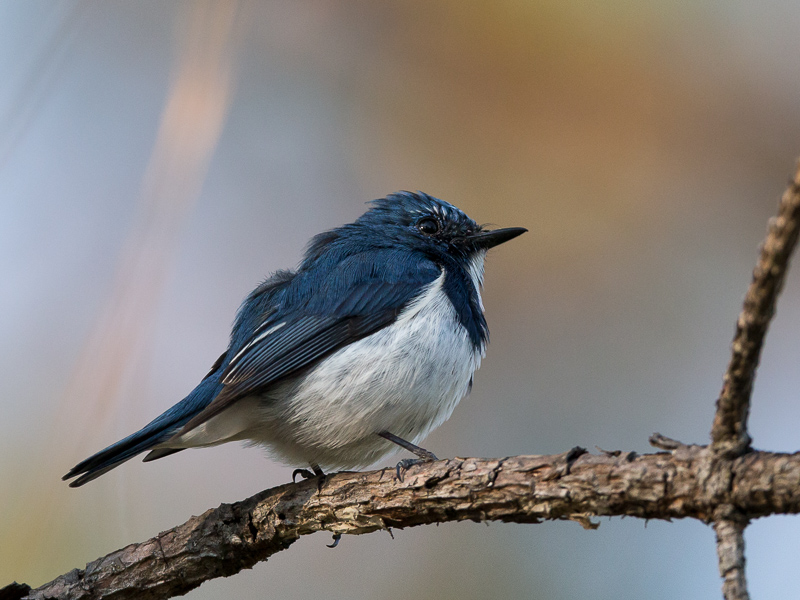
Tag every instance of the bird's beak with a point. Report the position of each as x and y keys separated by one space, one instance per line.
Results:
x=489 y=239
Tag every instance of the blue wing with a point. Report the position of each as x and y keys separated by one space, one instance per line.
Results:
x=288 y=323
x=322 y=311
x=165 y=425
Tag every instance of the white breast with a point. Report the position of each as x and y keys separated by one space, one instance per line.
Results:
x=407 y=378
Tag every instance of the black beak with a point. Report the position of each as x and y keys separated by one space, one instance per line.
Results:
x=490 y=239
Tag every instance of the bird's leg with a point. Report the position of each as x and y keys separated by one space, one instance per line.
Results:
x=424 y=455
x=316 y=471
x=306 y=474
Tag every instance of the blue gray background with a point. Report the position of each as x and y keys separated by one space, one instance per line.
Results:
x=644 y=145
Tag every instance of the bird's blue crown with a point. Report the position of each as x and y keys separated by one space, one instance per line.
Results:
x=398 y=221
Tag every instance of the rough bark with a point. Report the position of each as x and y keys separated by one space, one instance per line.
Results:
x=690 y=481
x=729 y=437
x=730 y=551
x=729 y=431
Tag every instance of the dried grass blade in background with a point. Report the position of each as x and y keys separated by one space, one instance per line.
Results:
x=110 y=363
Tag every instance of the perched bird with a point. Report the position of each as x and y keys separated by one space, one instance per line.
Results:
x=371 y=342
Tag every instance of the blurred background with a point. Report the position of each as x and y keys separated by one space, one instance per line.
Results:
x=159 y=159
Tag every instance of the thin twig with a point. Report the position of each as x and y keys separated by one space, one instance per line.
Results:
x=729 y=431
x=730 y=550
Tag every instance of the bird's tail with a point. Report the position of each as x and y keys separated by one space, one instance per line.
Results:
x=158 y=430
x=113 y=456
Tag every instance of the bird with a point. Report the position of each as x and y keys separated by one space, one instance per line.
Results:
x=369 y=344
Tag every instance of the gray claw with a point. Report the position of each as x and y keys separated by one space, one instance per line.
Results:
x=304 y=473
x=404 y=464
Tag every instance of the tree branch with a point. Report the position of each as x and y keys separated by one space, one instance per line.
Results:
x=730 y=550
x=729 y=437
x=691 y=482
x=729 y=431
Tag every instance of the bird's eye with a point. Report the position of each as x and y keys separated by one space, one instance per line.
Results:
x=428 y=226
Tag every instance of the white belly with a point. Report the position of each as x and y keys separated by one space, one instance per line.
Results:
x=406 y=379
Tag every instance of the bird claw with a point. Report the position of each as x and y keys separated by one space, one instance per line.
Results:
x=424 y=455
x=404 y=464
x=316 y=471
x=336 y=538
x=304 y=473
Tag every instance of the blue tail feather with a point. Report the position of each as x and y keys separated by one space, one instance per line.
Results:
x=158 y=430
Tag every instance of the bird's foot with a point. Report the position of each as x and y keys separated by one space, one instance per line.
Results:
x=336 y=538
x=423 y=455
x=306 y=474
x=404 y=464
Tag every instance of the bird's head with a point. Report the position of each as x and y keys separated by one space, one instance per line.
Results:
x=429 y=225
x=417 y=222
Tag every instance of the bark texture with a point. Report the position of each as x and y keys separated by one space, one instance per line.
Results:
x=729 y=431
x=729 y=437
x=689 y=481
x=730 y=551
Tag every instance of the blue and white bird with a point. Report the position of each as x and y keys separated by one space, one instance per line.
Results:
x=368 y=345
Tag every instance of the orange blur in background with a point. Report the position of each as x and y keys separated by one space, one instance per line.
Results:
x=158 y=160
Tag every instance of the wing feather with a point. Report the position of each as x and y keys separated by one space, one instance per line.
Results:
x=325 y=312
